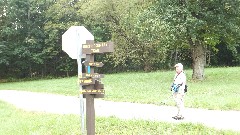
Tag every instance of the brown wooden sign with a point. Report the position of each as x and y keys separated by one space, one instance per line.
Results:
x=86 y=81
x=92 y=75
x=101 y=47
x=94 y=64
x=93 y=91
x=92 y=81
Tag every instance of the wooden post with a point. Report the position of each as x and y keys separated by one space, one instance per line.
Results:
x=72 y=41
x=90 y=81
x=90 y=114
x=90 y=111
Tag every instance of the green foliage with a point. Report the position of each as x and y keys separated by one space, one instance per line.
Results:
x=4 y=52
x=120 y=17
x=60 y=16
x=31 y=35
x=208 y=21
x=226 y=55
x=200 y=24
x=22 y=34
x=148 y=35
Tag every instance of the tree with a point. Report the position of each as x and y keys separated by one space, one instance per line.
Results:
x=226 y=55
x=200 y=24
x=150 y=30
x=22 y=35
x=4 y=51
x=132 y=51
x=60 y=16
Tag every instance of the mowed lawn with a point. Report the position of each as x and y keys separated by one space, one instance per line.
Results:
x=220 y=89
x=19 y=122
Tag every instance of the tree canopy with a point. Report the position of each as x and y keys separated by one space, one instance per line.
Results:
x=149 y=35
x=201 y=25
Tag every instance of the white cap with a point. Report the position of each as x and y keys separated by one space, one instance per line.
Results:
x=179 y=65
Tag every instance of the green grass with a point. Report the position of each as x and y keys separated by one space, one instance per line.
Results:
x=219 y=90
x=18 y=122
x=64 y=86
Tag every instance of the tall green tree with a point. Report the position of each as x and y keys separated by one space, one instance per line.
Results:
x=60 y=16
x=22 y=35
x=4 y=51
x=150 y=30
x=201 y=23
x=132 y=51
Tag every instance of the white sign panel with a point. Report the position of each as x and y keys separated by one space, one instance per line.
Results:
x=73 y=39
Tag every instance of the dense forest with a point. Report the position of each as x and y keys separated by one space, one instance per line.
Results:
x=148 y=35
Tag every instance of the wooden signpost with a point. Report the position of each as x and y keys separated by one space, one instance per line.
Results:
x=90 y=81
x=78 y=43
x=72 y=41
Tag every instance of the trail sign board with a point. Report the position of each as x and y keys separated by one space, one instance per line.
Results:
x=93 y=91
x=92 y=75
x=102 y=47
x=92 y=86
x=78 y=43
x=72 y=41
x=96 y=64
x=86 y=81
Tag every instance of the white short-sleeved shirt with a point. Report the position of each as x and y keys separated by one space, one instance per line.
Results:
x=180 y=79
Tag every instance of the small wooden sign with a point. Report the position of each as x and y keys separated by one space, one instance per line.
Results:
x=86 y=81
x=93 y=75
x=102 y=47
x=93 y=91
x=95 y=64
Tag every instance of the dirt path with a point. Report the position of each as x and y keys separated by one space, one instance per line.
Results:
x=60 y=104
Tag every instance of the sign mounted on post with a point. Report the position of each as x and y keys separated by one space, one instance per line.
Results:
x=72 y=41
x=78 y=43
x=92 y=86
x=101 y=47
x=93 y=75
x=87 y=79
x=96 y=64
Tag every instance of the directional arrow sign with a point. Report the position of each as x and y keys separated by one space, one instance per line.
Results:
x=93 y=75
x=86 y=81
x=96 y=64
x=101 y=47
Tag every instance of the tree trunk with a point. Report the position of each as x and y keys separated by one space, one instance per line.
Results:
x=198 y=57
x=147 y=67
x=30 y=71
x=67 y=74
x=176 y=56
